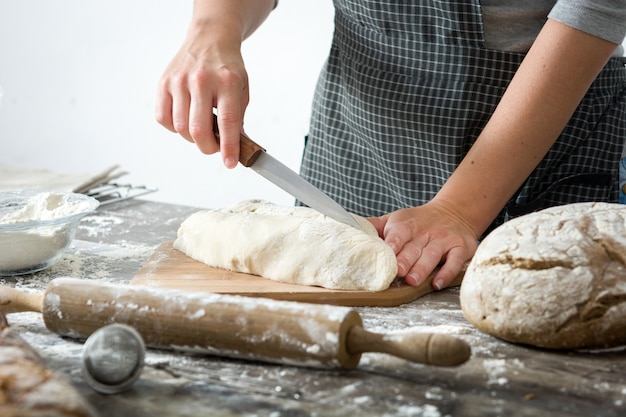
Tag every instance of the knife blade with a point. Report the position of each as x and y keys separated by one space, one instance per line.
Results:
x=252 y=155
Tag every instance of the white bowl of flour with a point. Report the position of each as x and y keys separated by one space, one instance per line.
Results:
x=36 y=228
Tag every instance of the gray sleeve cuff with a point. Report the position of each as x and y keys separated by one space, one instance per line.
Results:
x=602 y=18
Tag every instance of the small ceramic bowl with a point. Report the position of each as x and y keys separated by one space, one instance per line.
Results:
x=37 y=228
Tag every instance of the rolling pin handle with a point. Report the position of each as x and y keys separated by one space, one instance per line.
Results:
x=426 y=348
x=16 y=301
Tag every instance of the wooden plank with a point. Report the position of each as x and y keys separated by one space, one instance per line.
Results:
x=170 y=268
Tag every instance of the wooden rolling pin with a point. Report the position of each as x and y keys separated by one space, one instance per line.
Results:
x=228 y=325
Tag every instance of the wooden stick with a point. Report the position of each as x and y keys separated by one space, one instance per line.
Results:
x=235 y=326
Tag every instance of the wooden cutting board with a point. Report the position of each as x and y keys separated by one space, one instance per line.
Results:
x=170 y=268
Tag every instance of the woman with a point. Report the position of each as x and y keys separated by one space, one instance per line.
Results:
x=437 y=119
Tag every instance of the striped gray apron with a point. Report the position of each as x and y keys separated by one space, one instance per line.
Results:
x=407 y=89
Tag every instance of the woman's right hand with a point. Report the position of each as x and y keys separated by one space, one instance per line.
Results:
x=201 y=76
x=208 y=72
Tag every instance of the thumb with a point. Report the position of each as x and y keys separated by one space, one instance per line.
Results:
x=379 y=224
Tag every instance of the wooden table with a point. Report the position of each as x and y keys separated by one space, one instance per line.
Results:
x=500 y=379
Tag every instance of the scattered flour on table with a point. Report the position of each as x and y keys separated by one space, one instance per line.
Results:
x=404 y=410
x=88 y=260
x=426 y=410
x=101 y=261
x=362 y=400
x=435 y=393
x=495 y=368
x=99 y=224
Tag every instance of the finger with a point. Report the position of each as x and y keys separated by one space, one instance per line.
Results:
x=400 y=238
x=201 y=117
x=397 y=234
x=180 y=111
x=379 y=224
x=429 y=259
x=452 y=267
x=407 y=257
x=232 y=99
x=230 y=121
x=163 y=108
x=230 y=129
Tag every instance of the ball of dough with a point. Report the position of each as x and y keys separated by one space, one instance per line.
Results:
x=296 y=245
x=554 y=279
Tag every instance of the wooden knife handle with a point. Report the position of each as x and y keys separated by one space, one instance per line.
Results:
x=249 y=150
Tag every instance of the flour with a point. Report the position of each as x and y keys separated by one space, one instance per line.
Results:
x=100 y=224
x=25 y=251
x=28 y=248
x=427 y=410
x=46 y=206
x=495 y=368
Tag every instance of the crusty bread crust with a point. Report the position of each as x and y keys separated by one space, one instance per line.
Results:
x=553 y=279
x=28 y=388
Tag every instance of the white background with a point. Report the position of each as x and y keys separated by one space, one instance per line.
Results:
x=79 y=80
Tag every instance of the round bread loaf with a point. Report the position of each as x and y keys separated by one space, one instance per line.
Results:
x=553 y=279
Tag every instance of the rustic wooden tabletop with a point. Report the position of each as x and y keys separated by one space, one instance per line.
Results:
x=500 y=379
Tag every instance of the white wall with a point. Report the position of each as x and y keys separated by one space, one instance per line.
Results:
x=79 y=80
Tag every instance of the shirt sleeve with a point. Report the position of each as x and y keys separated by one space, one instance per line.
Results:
x=605 y=19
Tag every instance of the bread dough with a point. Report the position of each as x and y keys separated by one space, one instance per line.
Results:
x=554 y=279
x=296 y=245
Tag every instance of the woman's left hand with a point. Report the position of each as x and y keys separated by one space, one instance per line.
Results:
x=426 y=237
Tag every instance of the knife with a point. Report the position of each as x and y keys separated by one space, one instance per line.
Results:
x=252 y=155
